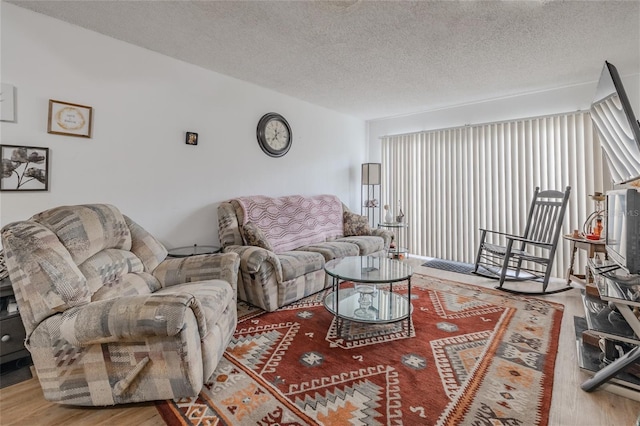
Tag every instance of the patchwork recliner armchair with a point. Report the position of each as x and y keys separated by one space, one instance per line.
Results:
x=110 y=319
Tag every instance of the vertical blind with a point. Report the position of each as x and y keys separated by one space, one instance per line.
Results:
x=452 y=182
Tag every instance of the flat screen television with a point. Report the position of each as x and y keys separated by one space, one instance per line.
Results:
x=616 y=126
x=623 y=228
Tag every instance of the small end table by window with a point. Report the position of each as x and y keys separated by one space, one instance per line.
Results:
x=399 y=229
x=592 y=247
x=193 y=250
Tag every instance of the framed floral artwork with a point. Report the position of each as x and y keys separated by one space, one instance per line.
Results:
x=24 y=168
x=69 y=119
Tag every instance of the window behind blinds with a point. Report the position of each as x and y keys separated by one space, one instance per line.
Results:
x=451 y=182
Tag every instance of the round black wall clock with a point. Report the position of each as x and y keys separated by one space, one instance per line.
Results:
x=274 y=134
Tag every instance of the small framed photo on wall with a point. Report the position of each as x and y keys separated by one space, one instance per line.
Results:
x=24 y=168
x=69 y=119
x=191 y=138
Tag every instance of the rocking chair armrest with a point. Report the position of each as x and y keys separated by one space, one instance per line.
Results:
x=497 y=232
x=484 y=232
x=528 y=241
x=541 y=244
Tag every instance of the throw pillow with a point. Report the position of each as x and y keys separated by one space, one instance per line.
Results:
x=253 y=236
x=355 y=224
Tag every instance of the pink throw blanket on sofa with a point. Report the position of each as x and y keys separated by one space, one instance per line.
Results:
x=294 y=221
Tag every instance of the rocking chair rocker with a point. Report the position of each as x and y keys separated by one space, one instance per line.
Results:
x=531 y=255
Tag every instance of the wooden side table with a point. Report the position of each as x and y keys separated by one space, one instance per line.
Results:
x=591 y=247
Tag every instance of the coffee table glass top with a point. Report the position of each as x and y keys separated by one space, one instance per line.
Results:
x=368 y=269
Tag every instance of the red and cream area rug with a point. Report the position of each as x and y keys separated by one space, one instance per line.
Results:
x=473 y=356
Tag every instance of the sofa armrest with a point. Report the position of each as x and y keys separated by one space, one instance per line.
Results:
x=252 y=258
x=130 y=318
x=387 y=235
x=221 y=266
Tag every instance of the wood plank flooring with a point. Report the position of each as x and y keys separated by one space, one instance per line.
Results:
x=23 y=404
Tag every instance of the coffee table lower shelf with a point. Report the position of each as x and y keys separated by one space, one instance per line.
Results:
x=368 y=305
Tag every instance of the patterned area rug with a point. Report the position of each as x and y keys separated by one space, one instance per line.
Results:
x=472 y=356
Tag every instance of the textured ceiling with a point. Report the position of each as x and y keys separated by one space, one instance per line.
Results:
x=378 y=59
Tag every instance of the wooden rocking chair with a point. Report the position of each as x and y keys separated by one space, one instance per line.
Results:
x=529 y=256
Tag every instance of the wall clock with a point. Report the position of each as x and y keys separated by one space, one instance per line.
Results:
x=274 y=134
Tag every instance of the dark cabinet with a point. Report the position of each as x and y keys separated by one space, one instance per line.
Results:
x=12 y=332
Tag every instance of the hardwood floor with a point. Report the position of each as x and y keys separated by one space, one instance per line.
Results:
x=23 y=404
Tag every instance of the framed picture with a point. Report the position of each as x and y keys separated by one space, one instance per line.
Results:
x=69 y=119
x=24 y=168
x=191 y=139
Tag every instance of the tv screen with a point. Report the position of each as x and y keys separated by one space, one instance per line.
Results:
x=616 y=126
x=623 y=228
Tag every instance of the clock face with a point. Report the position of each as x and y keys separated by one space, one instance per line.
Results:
x=274 y=135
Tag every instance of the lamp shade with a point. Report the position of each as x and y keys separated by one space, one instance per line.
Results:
x=371 y=173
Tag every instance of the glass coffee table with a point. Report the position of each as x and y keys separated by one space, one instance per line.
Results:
x=371 y=298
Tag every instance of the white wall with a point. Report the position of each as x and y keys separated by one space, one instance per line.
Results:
x=567 y=99
x=143 y=105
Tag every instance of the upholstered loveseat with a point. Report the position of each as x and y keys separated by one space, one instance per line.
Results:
x=285 y=242
x=110 y=319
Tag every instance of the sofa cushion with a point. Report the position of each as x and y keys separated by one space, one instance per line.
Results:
x=355 y=224
x=85 y=230
x=333 y=249
x=132 y=284
x=296 y=263
x=108 y=266
x=293 y=221
x=253 y=236
x=367 y=244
